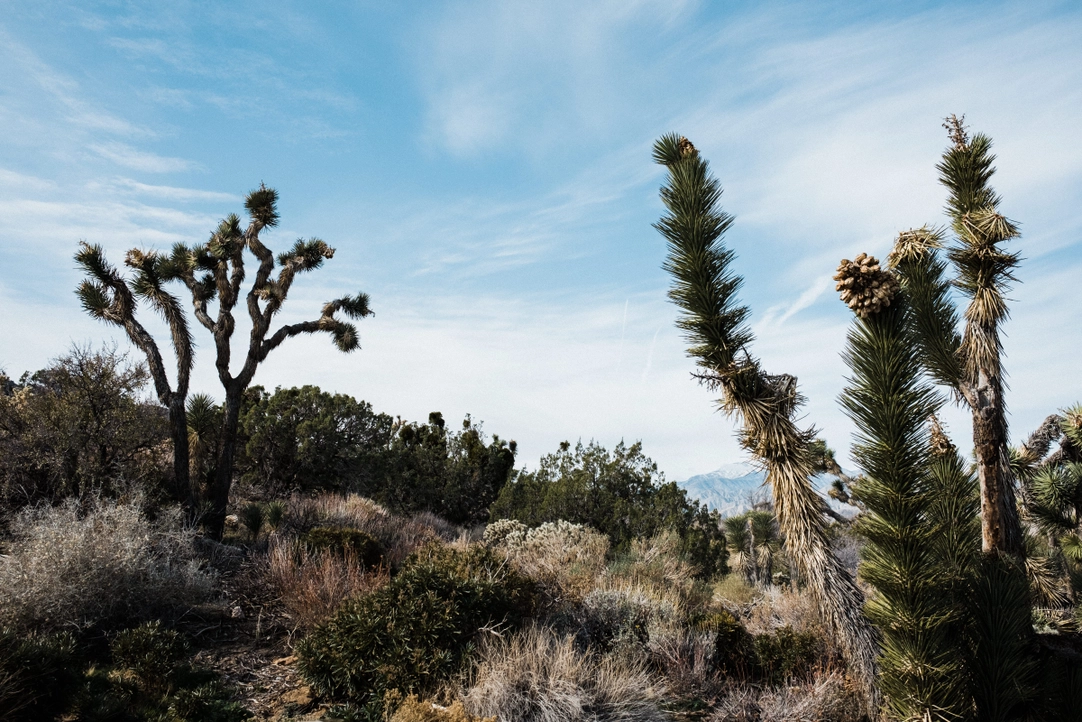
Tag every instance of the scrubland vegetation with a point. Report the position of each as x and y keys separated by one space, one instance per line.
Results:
x=297 y=554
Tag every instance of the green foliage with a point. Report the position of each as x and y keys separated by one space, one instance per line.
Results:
x=38 y=675
x=890 y=402
x=619 y=493
x=456 y=475
x=154 y=654
x=79 y=427
x=414 y=633
x=303 y=439
x=252 y=517
x=785 y=654
x=753 y=536
x=734 y=648
x=340 y=540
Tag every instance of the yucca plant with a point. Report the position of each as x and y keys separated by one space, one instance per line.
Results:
x=705 y=289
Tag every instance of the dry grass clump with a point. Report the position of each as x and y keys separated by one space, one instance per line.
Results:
x=685 y=657
x=398 y=536
x=564 y=558
x=656 y=564
x=538 y=676
x=829 y=698
x=101 y=564
x=313 y=583
x=779 y=607
x=415 y=710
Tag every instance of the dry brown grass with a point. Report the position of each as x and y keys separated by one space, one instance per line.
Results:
x=399 y=536
x=655 y=565
x=312 y=584
x=538 y=676
x=564 y=558
x=101 y=564
x=827 y=698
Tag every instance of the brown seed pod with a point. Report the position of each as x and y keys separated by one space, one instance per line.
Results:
x=685 y=147
x=865 y=287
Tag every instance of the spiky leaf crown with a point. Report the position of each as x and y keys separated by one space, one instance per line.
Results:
x=262 y=205
x=865 y=287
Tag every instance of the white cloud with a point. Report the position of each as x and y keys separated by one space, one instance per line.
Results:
x=128 y=157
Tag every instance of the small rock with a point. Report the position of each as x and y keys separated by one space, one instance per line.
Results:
x=232 y=520
x=237 y=613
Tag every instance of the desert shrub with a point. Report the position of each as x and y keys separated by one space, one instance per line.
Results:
x=312 y=584
x=253 y=518
x=398 y=536
x=538 y=676
x=337 y=540
x=685 y=658
x=733 y=592
x=152 y=653
x=413 y=633
x=785 y=654
x=100 y=565
x=829 y=698
x=619 y=493
x=415 y=710
x=38 y=675
x=209 y=702
x=607 y=619
x=658 y=564
x=734 y=648
x=80 y=427
x=563 y=558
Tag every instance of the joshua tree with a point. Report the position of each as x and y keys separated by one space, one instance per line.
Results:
x=110 y=297
x=969 y=363
x=705 y=288
x=220 y=265
x=908 y=506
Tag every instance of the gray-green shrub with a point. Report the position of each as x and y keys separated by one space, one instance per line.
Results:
x=101 y=565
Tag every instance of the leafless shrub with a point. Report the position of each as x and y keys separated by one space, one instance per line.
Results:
x=313 y=584
x=538 y=676
x=98 y=565
x=685 y=658
x=828 y=698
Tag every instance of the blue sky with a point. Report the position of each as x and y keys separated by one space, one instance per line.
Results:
x=483 y=169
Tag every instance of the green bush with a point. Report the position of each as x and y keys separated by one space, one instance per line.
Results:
x=205 y=703
x=153 y=654
x=785 y=654
x=415 y=632
x=339 y=540
x=734 y=648
x=38 y=675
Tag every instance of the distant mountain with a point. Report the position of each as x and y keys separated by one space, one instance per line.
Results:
x=734 y=488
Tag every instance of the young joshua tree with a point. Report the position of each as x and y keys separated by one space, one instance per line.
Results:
x=705 y=289
x=215 y=272
x=109 y=296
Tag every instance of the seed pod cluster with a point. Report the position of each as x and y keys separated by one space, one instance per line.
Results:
x=940 y=442
x=685 y=147
x=864 y=286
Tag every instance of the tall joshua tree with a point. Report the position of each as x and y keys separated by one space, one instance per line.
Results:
x=705 y=289
x=215 y=271
x=109 y=296
x=969 y=363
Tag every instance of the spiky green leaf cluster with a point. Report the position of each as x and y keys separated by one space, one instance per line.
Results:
x=889 y=401
x=262 y=206
x=703 y=285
